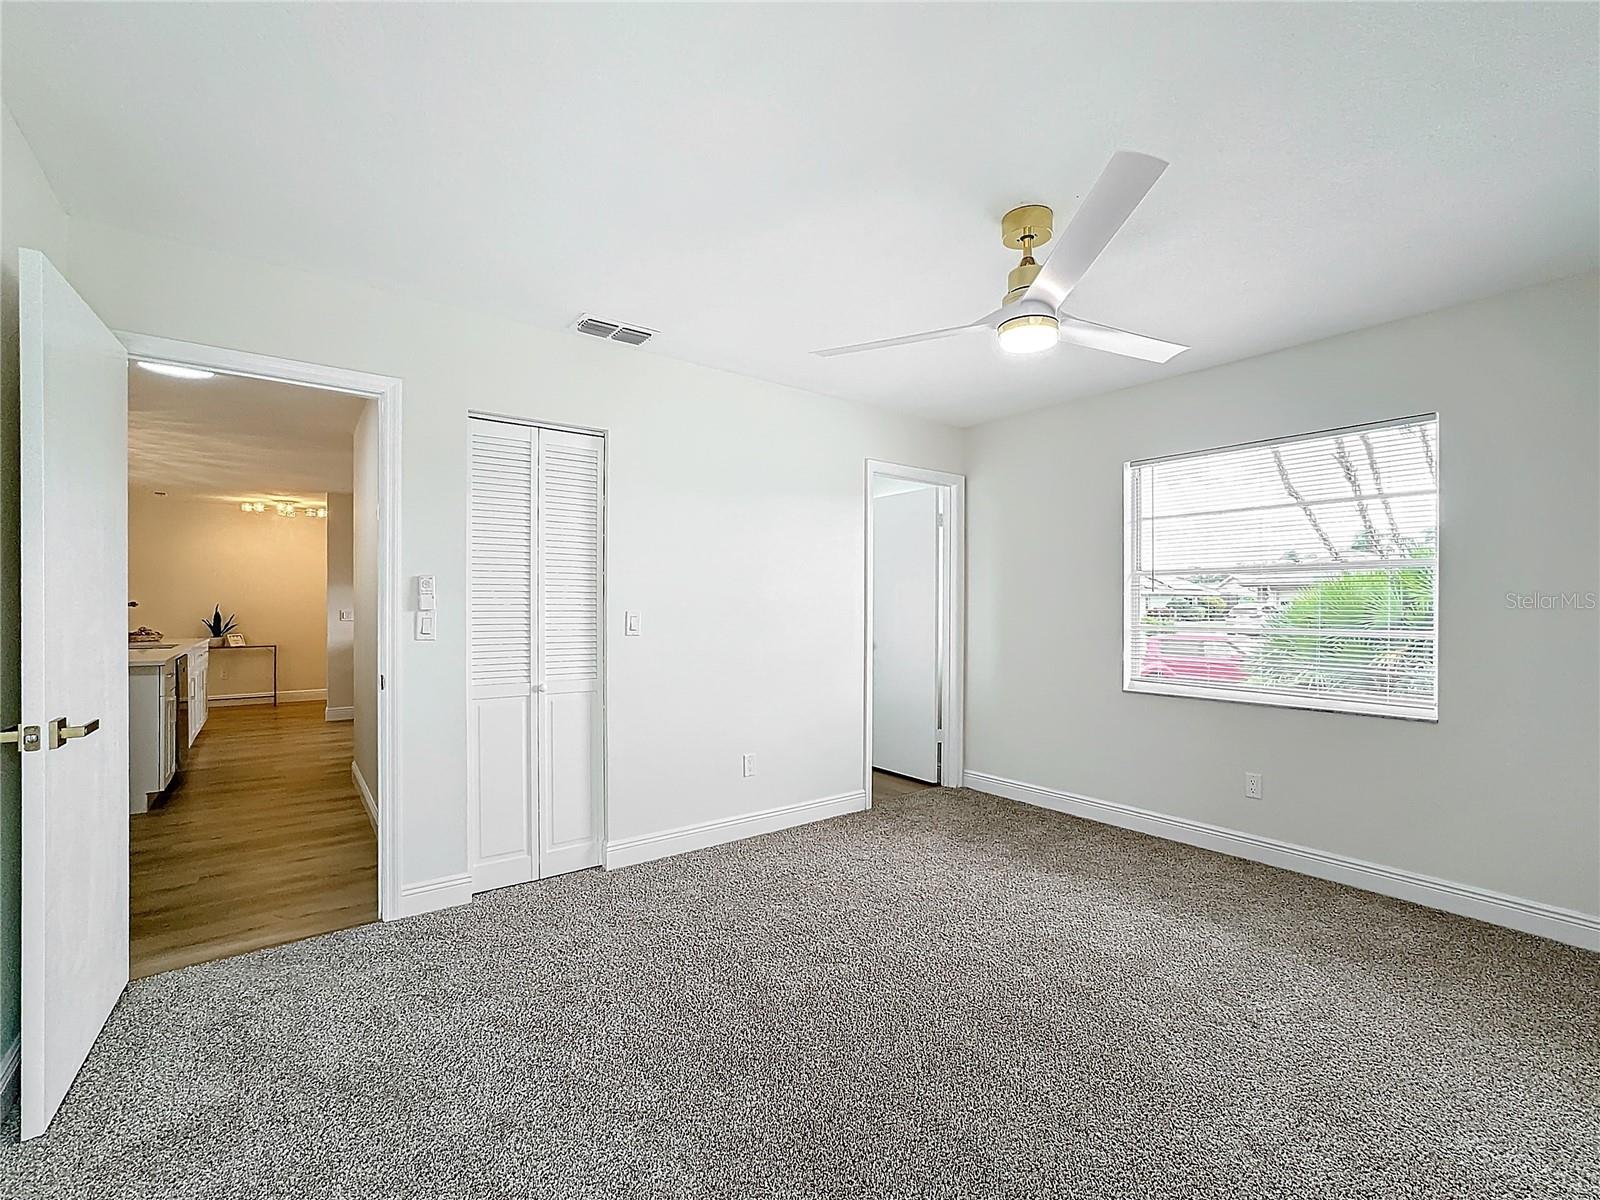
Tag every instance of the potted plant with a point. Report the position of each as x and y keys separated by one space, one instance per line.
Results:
x=218 y=628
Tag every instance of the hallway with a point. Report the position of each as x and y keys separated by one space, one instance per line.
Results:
x=263 y=840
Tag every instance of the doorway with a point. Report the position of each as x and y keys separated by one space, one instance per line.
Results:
x=915 y=564
x=251 y=599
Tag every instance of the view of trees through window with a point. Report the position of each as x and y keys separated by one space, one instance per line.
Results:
x=1301 y=572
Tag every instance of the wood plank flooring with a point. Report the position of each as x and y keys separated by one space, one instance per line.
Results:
x=886 y=785
x=264 y=840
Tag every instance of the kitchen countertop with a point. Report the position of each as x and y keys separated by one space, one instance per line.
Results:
x=163 y=652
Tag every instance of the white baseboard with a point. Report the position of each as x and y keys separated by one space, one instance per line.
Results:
x=1527 y=916
x=9 y=1076
x=339 y=712
x=368 y=800
x=430 y=895
x=296 y=696
x=628 y=852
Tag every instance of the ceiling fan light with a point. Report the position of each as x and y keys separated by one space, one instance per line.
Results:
x=1028 y=334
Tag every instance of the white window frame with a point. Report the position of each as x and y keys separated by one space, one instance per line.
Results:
x=1134 y=683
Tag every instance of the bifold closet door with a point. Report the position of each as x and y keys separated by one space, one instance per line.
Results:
x=534 y=701
x=502 y=786
x=571 y=497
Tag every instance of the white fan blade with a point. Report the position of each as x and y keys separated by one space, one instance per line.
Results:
x=1107 y=207
x=932 y=335
x=1116 y=341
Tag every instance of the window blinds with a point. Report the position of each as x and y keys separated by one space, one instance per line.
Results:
x=1300 y=572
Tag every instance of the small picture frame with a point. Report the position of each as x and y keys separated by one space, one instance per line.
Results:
x=236 y=639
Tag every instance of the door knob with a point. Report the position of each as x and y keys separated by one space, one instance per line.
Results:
x=61 y=732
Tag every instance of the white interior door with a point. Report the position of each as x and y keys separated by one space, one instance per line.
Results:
x=74 y=525
x=905 y=633
x=571 y=499
x=502 y=784
x=534 y=691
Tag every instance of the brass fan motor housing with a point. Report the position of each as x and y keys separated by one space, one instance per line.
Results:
x=1025 y=228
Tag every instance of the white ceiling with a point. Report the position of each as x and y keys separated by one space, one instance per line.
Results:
x=759 y=181
x=234 y=438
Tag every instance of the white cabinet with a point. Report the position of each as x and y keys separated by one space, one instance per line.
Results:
x=152 y=731
x=199 y=671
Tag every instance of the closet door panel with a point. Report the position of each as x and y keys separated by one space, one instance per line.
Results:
x=571 y=583
x=502 y=778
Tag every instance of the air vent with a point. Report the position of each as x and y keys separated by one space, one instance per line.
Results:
x=612 y=331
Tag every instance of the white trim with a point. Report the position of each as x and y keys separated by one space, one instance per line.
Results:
x=430 y=895
x=339 y=712
x=10 y=1075
x=368 y=800
x=297 y=696
x=631 y=851
x=386 y=391
x=1512 y=912
x=953 y=641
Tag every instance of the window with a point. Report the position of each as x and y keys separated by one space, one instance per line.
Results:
x=1302 y=572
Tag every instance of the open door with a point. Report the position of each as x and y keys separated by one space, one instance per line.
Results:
x=74 y=736
x=905 y=633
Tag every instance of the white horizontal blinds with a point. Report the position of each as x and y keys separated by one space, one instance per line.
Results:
x=1302 y=571
x=500 y=555
x=569 y=554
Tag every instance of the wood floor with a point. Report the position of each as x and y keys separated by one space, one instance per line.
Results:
x=886 y=785
x=264 y=840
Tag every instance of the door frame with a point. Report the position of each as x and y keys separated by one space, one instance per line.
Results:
x=604 y=435
x=952 y=489
x=385 y=390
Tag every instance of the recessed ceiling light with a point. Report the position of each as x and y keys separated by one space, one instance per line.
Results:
x=175 y=371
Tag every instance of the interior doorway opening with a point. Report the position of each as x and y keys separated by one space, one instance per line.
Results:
x=252 y=584
x=341 y=427
x=915 y=563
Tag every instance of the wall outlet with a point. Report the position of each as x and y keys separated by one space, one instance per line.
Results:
x=1252 y=785
x=747 y=764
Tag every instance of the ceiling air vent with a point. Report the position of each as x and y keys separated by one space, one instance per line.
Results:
x=612 y=331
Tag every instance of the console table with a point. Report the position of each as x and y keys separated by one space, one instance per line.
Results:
x=272 y=646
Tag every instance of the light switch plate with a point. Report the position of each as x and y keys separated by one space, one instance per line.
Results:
x=425 y=592
x=427 y=627
x=347 y=614
x=632 y=625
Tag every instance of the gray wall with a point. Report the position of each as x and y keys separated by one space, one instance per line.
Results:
x=1502 y=792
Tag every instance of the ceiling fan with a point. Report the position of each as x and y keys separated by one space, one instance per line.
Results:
x=1030 y=319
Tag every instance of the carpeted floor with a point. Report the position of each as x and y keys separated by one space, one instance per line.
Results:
x=948 y=996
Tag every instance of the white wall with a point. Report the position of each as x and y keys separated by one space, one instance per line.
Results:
x=187 y=555
x=735 y=527
x=341 y=595
x=1502 y=793
x=31 y=216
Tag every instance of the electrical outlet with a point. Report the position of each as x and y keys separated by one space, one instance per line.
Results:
x=1252 y=785
x=747 y=763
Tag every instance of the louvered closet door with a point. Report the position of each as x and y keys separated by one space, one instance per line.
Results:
x=571 y=496
x=502 y=776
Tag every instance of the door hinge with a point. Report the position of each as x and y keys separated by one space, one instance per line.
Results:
x=938 y=736
x=25 y=737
